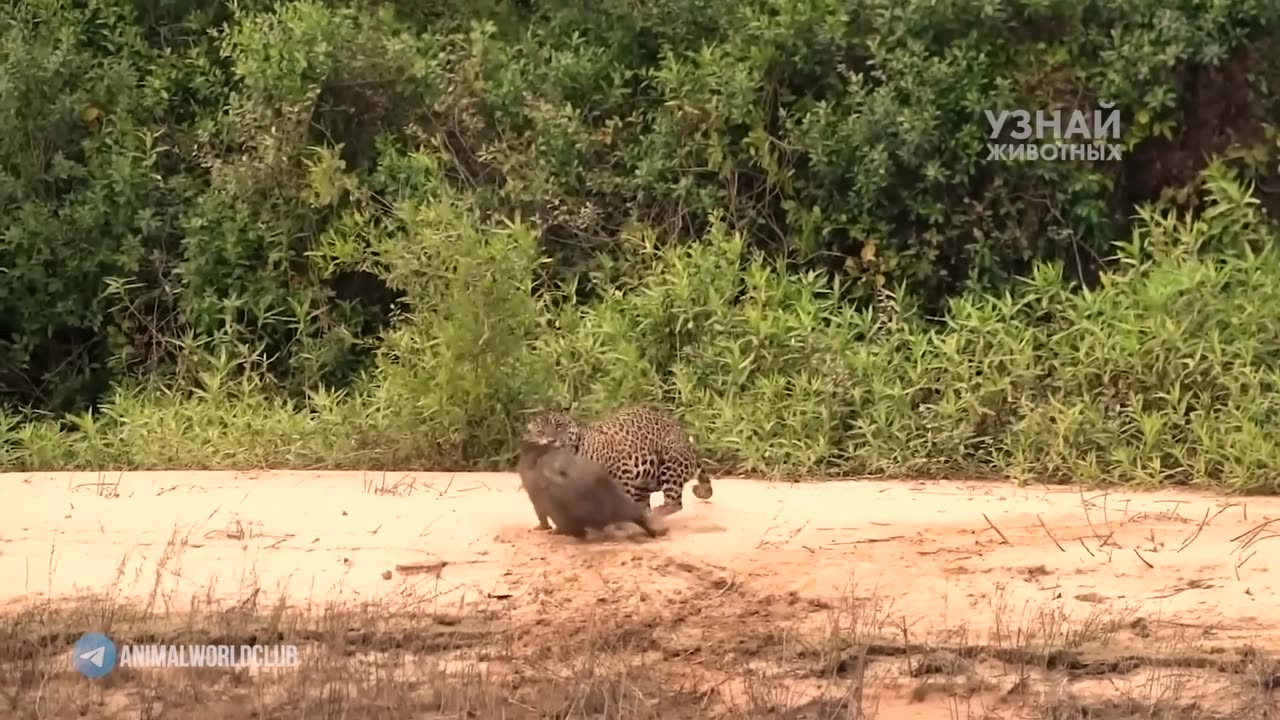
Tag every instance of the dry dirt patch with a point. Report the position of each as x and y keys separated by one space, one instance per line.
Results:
x=909 y=599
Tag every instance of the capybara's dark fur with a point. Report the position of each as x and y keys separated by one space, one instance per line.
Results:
x=576 y=493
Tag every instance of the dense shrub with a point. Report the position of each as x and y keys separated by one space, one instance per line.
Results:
x=314 y=233
x=1169 y=371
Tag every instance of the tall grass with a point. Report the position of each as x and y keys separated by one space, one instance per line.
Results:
x=1165 y=373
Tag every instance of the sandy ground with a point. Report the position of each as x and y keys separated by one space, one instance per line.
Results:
x=938 y=560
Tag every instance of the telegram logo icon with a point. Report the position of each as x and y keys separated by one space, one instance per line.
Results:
x=94 y=655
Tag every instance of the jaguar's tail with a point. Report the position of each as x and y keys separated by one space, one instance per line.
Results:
x=703 y=489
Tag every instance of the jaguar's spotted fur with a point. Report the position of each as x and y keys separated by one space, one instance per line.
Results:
x=644 y=449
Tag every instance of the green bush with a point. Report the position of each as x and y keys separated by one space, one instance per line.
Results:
x=1167 y=372
x=311 y=233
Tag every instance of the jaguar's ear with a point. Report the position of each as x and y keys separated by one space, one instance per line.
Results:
x=560 y=409
x=550 y=408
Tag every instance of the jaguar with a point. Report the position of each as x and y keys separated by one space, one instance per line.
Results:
x=644 y=448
